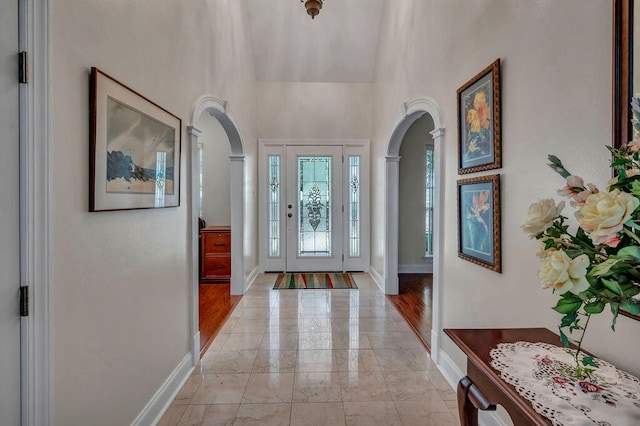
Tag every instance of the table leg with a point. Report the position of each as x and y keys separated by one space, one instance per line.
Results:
x=470 y=399
x=468 y=412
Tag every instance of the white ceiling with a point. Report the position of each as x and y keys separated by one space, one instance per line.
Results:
x=339 y=45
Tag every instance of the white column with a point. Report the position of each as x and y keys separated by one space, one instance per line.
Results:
x=237 y=221
x=194 y=235
x=438 y=140
x=392 y=179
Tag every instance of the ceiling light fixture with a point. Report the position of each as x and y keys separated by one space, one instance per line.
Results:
x=313 y=7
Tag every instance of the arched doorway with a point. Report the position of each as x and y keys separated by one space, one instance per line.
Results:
x=218 y=109
x=412 y=111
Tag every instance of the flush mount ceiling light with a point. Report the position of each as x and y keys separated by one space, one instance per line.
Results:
x=313 y=7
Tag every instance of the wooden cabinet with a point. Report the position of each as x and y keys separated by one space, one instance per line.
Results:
x=215 y=254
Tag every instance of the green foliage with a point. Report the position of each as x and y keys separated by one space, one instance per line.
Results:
x=588 y=360
x=594 y=307
x=568 y=304
x=556 y=165
x=613 y=286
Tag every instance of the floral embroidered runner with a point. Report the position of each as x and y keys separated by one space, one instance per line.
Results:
x=539 y=372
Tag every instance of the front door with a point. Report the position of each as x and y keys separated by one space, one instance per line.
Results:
x=10 y=216
x=314 y=208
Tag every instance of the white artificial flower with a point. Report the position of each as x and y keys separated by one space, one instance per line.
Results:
x=541 y=216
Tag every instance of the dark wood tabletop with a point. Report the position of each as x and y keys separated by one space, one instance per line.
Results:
x=483 y=387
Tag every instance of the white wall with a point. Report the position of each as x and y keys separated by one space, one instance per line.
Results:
x=556 y=99
x=120 y=280
x=216 y=184
x=411 y=229
x=314 y=111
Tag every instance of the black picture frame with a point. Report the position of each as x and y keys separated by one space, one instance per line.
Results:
x=134 y=155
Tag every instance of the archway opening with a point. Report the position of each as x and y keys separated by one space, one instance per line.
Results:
x=216 y=200
x=415 y=230
x=413 y=111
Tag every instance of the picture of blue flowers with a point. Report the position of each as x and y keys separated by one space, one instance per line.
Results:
x=479 y=221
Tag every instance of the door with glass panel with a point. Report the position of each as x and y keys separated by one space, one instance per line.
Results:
x=314 y=208
x=313 y=199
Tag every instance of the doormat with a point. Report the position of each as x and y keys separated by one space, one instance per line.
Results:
x=314 y=280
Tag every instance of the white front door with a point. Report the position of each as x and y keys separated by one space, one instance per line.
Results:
x=314 y=208
x=10 y=217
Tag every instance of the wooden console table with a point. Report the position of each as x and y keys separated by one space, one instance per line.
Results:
x=483 y=388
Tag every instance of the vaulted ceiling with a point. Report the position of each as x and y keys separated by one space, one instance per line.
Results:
x=339 y=45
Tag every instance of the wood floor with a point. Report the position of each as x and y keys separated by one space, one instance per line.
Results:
x=216 y=304
x=414 y=303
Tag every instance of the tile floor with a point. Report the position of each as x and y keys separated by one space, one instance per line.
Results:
x=315 y=357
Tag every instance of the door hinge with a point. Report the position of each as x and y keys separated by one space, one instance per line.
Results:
x=343 y=257
x=24 y=301
x=23 y=68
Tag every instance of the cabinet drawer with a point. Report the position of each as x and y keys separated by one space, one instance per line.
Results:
x=216 y=242
x=216 y=266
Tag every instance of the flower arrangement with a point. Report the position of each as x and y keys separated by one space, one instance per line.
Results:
x=599 y=263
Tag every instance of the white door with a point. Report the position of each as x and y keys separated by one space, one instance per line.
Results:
x=9 y=217
x=314 y=208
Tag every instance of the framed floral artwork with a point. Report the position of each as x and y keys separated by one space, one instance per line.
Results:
x=479 y=221
x=479 y=122
x=134 y=150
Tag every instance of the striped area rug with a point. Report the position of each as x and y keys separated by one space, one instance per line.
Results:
x=314 y=280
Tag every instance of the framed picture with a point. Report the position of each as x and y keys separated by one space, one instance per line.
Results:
x=134 y=157
x=479 y=122
x=479 y=221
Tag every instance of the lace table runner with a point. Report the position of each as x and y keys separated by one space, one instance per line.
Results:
x=539 y=373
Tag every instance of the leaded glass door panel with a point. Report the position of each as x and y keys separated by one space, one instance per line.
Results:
x=314 y=208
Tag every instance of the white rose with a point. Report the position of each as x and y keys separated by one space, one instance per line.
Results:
x=541 y=215
x=603 y=214
x=559 y=271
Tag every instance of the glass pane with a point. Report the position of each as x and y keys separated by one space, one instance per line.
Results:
x=354 y=206
x=314 y=206
x=161 y=167
x=429 y=203
x=274 y=205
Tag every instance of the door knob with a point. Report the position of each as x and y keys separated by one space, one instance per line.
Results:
x=289 y=206
x=290 y=214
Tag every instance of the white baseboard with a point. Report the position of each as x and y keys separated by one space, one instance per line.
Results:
x=452 y=375
x=419 y=268
x=377 y=278
x=449 y=370
x=156 y=407
x=250 y=279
